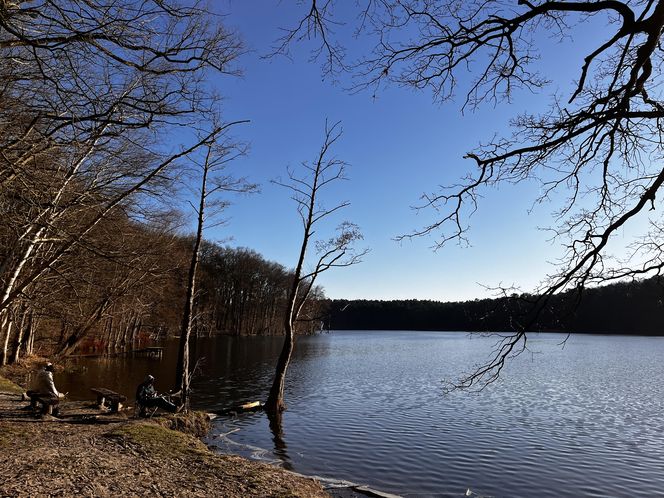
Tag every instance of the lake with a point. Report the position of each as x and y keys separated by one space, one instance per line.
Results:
x=586 y=419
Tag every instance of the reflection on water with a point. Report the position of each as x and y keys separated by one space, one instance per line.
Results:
x=280 y=448
x=121 y=374
x=368 y=407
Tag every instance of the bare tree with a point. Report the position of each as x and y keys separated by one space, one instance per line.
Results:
x=598 y=148
x=107 y=282
x=88 y=92
x=35 y=264
x=214 y=181
x=335 y=252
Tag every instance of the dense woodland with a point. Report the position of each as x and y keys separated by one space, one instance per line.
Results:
x=635 y=307
x=125 y=286
x=123 y=283
x=129 y=295
x=132 y=292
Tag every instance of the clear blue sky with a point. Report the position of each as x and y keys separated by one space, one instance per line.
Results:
x=399 y=145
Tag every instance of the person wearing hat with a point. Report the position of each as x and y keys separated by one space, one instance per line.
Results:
x=44 y=386
x=147 y=397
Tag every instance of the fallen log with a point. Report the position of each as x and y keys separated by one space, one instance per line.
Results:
x=252 y=406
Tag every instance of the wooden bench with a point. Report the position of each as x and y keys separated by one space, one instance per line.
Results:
x=111 y=399
x=49 y=404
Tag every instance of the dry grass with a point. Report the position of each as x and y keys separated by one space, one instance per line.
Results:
x=156 y=440
x=7 y=386
x=193 y=422
x=127 y=458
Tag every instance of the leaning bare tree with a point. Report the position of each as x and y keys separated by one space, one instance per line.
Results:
x=598 y=148
x=335 y=252
x=214 y=180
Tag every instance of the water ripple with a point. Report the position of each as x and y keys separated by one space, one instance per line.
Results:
x=367 y=407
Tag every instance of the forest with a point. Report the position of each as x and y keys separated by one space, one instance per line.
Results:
x=133 y=292
x=633 y=307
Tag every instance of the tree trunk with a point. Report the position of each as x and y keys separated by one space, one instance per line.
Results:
x=275 y=401
x=30 y=334
x=134 y=332
x=7 y=324
x=18 y=342
x=182 y=373
x=108 y=336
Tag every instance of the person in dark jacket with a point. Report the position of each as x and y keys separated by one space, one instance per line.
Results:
x=147 y=397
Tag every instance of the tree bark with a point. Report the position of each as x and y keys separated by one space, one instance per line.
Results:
x=6 y=327
x=182 y=373
x=18 y=341
x=275 y=401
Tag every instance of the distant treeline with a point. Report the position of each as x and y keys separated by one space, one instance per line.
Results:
x=241 y=293
x=623 y=308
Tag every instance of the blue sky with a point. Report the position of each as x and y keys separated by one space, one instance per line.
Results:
x=399 y=145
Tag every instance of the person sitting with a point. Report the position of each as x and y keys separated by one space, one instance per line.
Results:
x=147 y=397
x=44 y=388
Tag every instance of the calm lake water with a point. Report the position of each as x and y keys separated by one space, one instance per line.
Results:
x=583 y=420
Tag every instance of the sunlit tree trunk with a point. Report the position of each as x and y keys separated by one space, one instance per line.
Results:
x=6 y=328
x=214 y=161
x=182 y=373
x=18 y=341
x=29 y=336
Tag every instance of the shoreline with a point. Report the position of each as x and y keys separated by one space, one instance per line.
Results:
x=89 y=452
x=337 y=488
x=86 y=452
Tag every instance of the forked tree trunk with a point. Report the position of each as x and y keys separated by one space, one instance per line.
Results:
x=307 y=207
x=275 y=400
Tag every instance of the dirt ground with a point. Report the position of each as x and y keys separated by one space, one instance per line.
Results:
x=91 y=453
